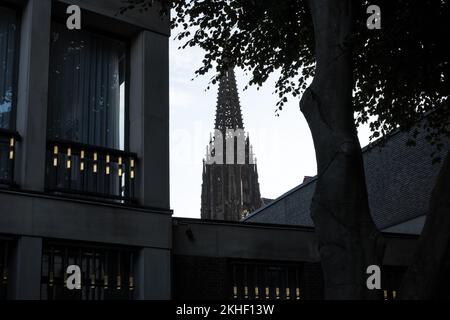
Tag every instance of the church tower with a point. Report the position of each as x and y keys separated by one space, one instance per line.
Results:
x=230 y=189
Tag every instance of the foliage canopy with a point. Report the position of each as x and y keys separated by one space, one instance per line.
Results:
x=401 y=72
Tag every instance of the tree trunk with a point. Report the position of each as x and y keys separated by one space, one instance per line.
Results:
x=348 y=238
x=429 y=274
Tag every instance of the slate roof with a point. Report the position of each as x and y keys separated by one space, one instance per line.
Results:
x=266 y=201
x=399 y=178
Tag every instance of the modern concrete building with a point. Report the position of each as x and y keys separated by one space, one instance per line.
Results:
x=84 y=151
x=84 y=173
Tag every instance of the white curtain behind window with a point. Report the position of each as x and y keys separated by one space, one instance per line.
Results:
x=86 y=72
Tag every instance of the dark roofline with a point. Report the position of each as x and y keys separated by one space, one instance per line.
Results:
x=183 y=221
x=406 y=221
x=367 y=148
x=281 y=197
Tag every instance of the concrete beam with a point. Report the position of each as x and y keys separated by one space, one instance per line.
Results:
x=58 y=218
x=150 y=20
x=193 y=237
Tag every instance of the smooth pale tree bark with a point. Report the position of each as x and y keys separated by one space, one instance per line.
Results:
x=429 y=274
x=348 y=239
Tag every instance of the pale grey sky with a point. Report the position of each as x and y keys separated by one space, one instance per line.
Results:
x=282 y=145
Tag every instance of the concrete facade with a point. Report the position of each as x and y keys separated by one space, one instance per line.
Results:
x=30 y=215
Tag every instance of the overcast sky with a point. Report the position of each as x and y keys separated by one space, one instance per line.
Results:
x=283 y=145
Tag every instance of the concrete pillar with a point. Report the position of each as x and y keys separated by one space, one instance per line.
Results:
x=32 y=94
x=25 y=269
x=153 y=275
x=149 y=117
x=149 y=138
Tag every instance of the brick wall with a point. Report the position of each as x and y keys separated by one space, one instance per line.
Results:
x=200 y=278
x=312 y=282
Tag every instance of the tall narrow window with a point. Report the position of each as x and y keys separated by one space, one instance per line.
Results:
x=87 y=88
x=8 y=58
x=87 y=116
x=8 y=48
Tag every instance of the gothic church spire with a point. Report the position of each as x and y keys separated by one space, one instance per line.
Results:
x=228 y=112
x=230 y=190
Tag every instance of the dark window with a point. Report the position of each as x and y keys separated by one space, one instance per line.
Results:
x=107 y=273
x=87 y=88
x=8 y=56
x=87 y=116
x=266 y=281
x=8 y=59
x=391 y=281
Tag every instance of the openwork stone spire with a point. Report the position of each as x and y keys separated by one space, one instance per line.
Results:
x=228 y=113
